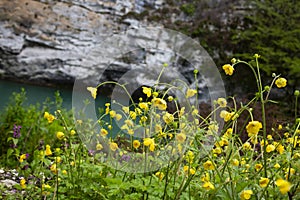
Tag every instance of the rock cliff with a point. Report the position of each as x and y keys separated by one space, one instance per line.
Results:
x=56 y=42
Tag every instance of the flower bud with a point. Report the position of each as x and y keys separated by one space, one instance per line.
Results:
x=233 y=60
x=267 y=88
x=296 y=93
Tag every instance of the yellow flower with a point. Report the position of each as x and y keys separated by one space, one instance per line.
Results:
x=187 y=170
x=246 y=194
x=113 y=146
x=258 y=167
x=60 y=135
x=49 y=117
x=103 y=132
x=279 y=127
x=72 y=132
x=280 y=82
x=208 y=186
x=208 y=165
x=270 y=148
x=222 y=102
x=147 y=91
x=205 y=177
x=48 y=151
x=125 y=109
x=235 y=162
x=247 y=146
x=190 y=93
x=148 y=141
x=93 y=91
x=168 y=118
x=23 y=183
x=99 y=147
x=263 y=182
x=284 y=186
x=160 y=175
x=136 y=144
x=57 y=159
x=228 y=69
x=253 y=128
x=217 y=150
x=130 y=131
x=144 y=106
x=227 y=115
x=190 y=156
x=159 y=103
x=46 y=186
x=22 y=157
x=53 y=169
x=181 y=137
x=65 y=172
x=132 y=115
x=112 y=113
x=277 y=166
x=280 y=148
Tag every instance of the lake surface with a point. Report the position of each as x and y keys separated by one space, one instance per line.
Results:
x=34 y=93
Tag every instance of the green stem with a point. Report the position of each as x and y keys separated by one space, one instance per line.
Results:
x=263 y=117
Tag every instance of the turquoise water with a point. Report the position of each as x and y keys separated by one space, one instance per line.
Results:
x=34 y=93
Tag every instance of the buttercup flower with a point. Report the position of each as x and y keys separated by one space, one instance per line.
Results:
x=247 y=146
x=253 y=128
x=208 y=186
x=160 y=175
x=22 y=157
x=99 y=147
x=246 y=194
x=60 y=135
x=188 y=170
x=149 y=142
x=277 y=166
x=208 y=165
x=281 y=82
x=284 y=186
x=222 y=102
x=125 y=109
x=168 y=118
x=132 y=115
x=50 y=118
x=136 y=144
x=190 y=93
x=23 y=183
x=48 y=151
x=235 y=162
x=72 y=132
x=103 y=132
x=263 y=182
x=144 y=106
x=228 y=69
x=53 y=169
x=159 y=103
x=93 y=91
x=147 y=91
x=270 y=148
x=181 y=137
x=113 y=146
x=258 y=167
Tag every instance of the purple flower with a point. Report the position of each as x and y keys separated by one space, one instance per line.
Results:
x=13 y=146
x=91 y=152
x=17 y=132
x=125 y=158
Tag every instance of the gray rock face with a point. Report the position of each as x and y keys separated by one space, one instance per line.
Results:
x=57 y=42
